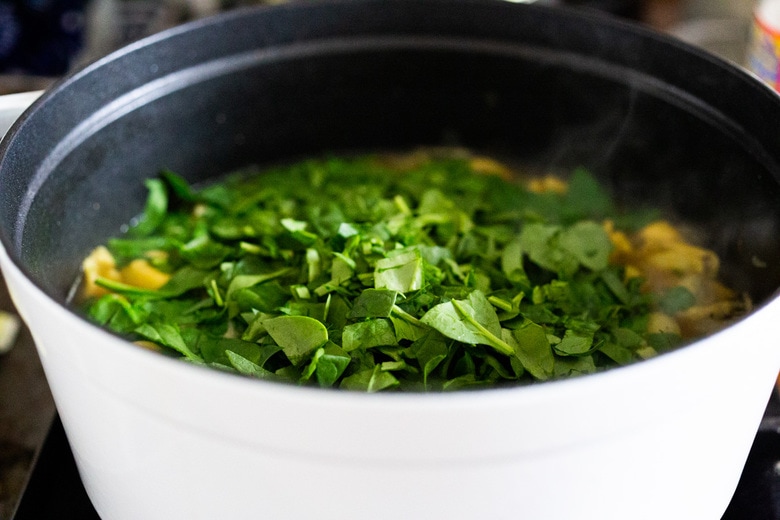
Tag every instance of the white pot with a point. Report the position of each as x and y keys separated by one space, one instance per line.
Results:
x=155 y=438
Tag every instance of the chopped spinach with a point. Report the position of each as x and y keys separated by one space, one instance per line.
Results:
x=361 y=274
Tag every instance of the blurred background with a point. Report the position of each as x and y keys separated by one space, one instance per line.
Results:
x=41 y=40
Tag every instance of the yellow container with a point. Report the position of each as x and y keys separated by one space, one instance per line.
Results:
x=763 y=57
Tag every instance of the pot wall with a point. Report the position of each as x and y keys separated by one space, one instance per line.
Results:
x=200 y=444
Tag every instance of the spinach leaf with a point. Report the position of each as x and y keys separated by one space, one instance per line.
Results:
x=586 y=198
x=368 y=334
x=155 y=210
x=331 y=364
x=402 y=273
x=370 y=380
x=378 y=273
x=298 y=336
x=532 y=349
x=676 y=299
x=430 y=350
x=247 y=367
x=169 y=336
x=473 y=321
x=374 y=303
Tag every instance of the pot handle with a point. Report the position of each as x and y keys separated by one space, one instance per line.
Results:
x=13 y=105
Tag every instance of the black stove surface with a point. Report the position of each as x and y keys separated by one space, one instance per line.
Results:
x=55 y=490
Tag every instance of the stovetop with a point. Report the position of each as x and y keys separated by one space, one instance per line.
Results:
x=758 y=495
x=55 y=489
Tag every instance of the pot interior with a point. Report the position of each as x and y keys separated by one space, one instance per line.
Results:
x=659 y=123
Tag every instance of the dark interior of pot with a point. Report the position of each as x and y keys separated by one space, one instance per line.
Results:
x=659 y=123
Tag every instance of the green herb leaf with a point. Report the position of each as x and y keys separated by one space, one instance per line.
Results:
x=331 y=365
x=215 y=349
x=374 y=303
x=371 y=380
x=472 y=321
x=116 y=312
x=204 y=253
x=541 y=242
x=155 y=209
x=578 y=340
x=586 y=198
x=574 y=366
x=247 y=367
x=532 y=349
x=588 y=243
x=169 y=336
x=244 y=281
x=368 y=334
x=374 y=273
x=402 y=273
x=676 y=299
x=430 y=350
x=298 y=336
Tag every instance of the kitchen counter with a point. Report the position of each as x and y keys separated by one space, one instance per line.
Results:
x=26 y=411
x=26 y=405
